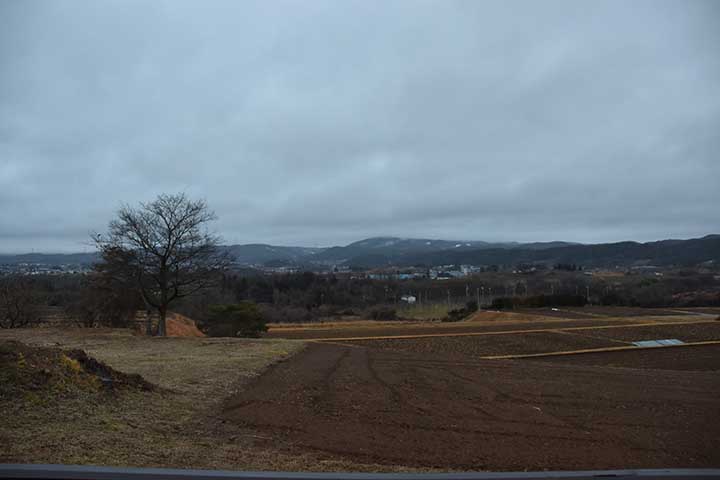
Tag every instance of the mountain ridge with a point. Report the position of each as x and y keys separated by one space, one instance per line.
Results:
x=382 y=251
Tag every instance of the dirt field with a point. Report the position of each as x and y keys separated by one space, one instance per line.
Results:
x=697 y=358
x=427 y=397
x=479 y=346
x=595 y=311
x=566 y=338
x=485 y=321
x=691 y=332
x=477 y=324
x=705 y=310
x=394 y=408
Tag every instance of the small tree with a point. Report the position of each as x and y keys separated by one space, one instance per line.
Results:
x=16 y=303
x=242 y=319
x=165 y=249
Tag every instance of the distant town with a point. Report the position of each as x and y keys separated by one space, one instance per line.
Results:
x=43 y=269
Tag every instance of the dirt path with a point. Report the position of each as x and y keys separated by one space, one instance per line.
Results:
x=396 y=408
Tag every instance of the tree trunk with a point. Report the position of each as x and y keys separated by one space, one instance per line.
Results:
x=161 y=331
x=148 y=322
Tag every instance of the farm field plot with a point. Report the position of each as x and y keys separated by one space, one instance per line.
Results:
x=559 y=312
x=546 y=338
x=481 y=322
x=704 y=310
x=433 y=401
x=696 y=358
x=595 y=311
x=478 y=346
x=689 y=332
x=397 y=408
x=607 y=311
x=428 y=328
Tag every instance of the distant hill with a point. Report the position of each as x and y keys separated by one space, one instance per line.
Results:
x=383 y=251
x=394 y=251
x=391 y=247
x=260 y=253
x=251 y=254
x=50 y=258
x=661 y=253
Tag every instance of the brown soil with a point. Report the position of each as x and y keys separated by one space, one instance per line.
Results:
x=705 y=310
x=560 y=313
x=430 y=410
x=557 y=340
x=595 y=311
x=478 y=346
x=692 y=332
x=435 y=328
x=181 y=326
x=697 y=358
x=625 y=311
x=48 y=373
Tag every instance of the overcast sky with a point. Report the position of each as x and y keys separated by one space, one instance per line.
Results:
x=318 y=123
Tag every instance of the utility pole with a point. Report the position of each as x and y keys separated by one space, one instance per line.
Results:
x=588 y=293
x=477 y=293
x=448 y=292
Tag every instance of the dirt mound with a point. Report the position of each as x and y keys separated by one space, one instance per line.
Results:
x=45 y=373
x=181 y=326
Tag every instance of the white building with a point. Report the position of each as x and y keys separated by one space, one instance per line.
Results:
x=408 y=299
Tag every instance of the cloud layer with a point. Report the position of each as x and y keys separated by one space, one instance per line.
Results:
x=318 y=123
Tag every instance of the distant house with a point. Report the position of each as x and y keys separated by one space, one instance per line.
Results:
x=378 y=276
x=408 y=299
x=448 y=274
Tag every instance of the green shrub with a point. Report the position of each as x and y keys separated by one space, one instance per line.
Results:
x=383 y=314
x=460 y=313
x=538 y=301
x=242 y=319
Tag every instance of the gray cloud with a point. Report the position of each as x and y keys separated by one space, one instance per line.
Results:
x=323 y=122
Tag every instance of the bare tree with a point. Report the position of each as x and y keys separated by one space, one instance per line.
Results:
x=166 y=250
x=16 y=303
